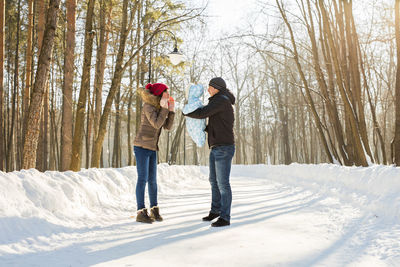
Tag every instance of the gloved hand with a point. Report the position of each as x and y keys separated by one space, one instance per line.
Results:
x=171 y=104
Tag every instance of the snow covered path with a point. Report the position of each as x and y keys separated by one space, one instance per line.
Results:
x=273 y=223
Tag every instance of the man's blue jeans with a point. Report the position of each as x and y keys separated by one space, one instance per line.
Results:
x=220 y=169
x=146 y=165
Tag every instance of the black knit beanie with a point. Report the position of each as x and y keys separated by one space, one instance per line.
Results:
x=217 y=83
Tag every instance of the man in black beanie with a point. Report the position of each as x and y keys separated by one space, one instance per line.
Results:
x=218 y=83
x=222 y=144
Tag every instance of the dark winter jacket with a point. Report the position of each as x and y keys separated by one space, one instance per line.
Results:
x=220 y=123
x=153 y=118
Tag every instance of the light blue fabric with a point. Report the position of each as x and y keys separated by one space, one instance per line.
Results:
x=195 y=127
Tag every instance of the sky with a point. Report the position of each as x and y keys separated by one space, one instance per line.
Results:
x=226 y=16
x=296 y=215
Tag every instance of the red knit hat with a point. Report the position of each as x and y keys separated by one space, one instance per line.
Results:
x=156 y=88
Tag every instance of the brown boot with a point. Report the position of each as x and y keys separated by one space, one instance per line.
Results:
x=155 y=214
x=143 y=217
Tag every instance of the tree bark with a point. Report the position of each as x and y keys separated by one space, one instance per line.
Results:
x=132 y=95
x=329 y=103
x=282 y=118
x=176 y=141
x=141 y=67
x=67 y=121
x=53 y=155
x=360 y=158
x=309 y=98
x=116 y=81
x=85 y=87
x=129 y=115
x=239 y=79
x=2 y=124
x=354 y=61
x=89 y=128
x=11 y=147
x=377 y=128
x=396 y=140
x=43 y=146
x=32 y=131
x=117 y=132
x=29 y=52
x=41 y=6
x=105 y=11
x=41 y=153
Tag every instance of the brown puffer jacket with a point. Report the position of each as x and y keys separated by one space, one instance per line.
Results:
x=153 y=118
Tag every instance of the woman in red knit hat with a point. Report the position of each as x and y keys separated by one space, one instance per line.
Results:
x=157 y=112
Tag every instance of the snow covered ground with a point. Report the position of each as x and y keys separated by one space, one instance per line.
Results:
x=296 y=215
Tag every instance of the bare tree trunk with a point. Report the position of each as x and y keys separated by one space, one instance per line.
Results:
x=284 y=114
x=17 y=137
x=304 y=138
x=67 y=121
x=129 y=129
x=329 y=103
x=85 y=87
x=41 y=22
x=377 y=128
x=42 y=150
x=11 y=148
x=105 y=12
x=239 y=79
x=195 y=153
x=244 y=145
x=109 y=141
x=396 y=140
x=256 y=126
x=360 y=158
x=32 y=132
x=129 y=111
x=53 y=127
x=113 y=90
x=40 y=29
x=283 y=119
x=137 y=82
x=176 y=141
x=29 y=53
x=8 y=93
x=140 y=64
x=2 y=124
x=352 y=40
x=309 y=98
x=117 y=132
x=89 y=127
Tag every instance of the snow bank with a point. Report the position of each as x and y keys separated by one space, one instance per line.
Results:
x=376 y=188
x=74 y=199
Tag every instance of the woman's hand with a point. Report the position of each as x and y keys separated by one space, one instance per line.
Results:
x=171 y=104
x=164 y=100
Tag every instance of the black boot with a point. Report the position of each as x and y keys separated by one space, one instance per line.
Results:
x=210 y=217
x=143 y=217
x=220 y=222
x=155 y=214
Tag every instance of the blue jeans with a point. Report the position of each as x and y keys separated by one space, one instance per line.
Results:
x=146 y=165
x=220 y=169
